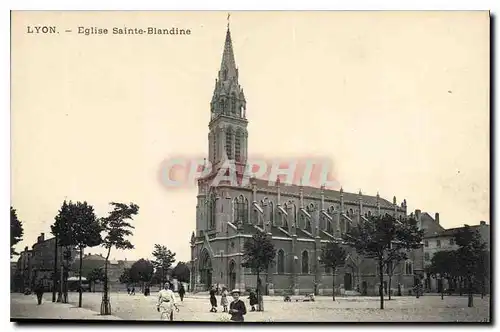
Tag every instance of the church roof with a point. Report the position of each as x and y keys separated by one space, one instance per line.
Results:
x=329 y=194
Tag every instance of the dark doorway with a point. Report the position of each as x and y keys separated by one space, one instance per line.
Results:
x=348 y=281
x=206 y=270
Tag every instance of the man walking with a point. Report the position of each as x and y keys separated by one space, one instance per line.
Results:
x=39 y=292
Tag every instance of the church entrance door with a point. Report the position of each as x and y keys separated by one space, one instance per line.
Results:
x=348 y=281
x=206 y=270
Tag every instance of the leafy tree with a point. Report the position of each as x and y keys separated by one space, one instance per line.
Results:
x=97 y=274
x=259 y=254
x=16 y=231
x=333 y=256
x=384 y=239
x=116 y=228
x=62 y=230
x=181 y=272
x=443 y=265
x=125 y=276
x=77 y=226
x=470 y=252
x=164 y=259
x=141 y=271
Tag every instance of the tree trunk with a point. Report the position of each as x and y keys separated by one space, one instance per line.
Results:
x=61 y=284
x=460 y=285
x=80 y=279
x=389 y=286
x=54 y=277
x=333 y=284
x=442 y=288
x=470 y=302
x=381 y=277
x=105 y=305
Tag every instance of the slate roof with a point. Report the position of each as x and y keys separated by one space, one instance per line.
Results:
x=452 y=231
x=329 y=194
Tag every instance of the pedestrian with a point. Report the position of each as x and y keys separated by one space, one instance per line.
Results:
x=223 y=299
x=166 y=302
x=237 y=307
x=132 y=292
x=253 y=300
x=39 y=292
x=213 y=300
x=182 y=291
x=128 y=290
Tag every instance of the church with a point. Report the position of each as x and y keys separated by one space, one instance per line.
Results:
x=299 y=219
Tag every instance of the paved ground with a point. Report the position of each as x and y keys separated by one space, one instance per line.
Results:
x=25 y=306
x=324 y=309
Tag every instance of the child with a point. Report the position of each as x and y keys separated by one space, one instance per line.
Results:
x=253 y=300
x=237 y=308
x=223 y=299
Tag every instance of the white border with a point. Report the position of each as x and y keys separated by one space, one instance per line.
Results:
x=226 y=5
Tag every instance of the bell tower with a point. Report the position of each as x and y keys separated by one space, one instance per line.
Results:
x=228 y=135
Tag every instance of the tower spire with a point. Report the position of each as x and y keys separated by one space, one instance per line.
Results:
x=228 y=64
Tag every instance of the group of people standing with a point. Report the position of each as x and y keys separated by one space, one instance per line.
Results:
x=237 y=307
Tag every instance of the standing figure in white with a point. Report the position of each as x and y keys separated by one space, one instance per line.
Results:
x=167 y=302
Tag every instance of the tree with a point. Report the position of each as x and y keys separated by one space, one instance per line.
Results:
x=16 y=231
x=116 y=228
x=332 y=256
x=470 y=253
x=77 y=226
x=97 y=274
x=141 y=271
x=62 y=230
x=164 y=259
x=258 y=254
x=181 y=272
x=125 y=276
x=384 y=239
x=443 y=266
x=86 y=232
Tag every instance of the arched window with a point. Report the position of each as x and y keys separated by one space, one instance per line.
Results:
x=222 y=106
x=409 y=267
x=229 y=142
x=212 y=211
x=305 y=262
x=281 y=261
x=214 y=145
x=233 y=104
x=271 y=213
x=237 y=145
x=241 y=211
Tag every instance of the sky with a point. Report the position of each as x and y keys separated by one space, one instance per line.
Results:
x=398 y=101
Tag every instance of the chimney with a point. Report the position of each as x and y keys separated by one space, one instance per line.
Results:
x=417 y=214
x=436 y=218
x=482 y=223
x=41 y=238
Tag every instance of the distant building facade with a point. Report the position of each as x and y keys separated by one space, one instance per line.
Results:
x=438 y=239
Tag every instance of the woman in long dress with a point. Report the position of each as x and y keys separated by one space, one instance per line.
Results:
x=167 y=303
